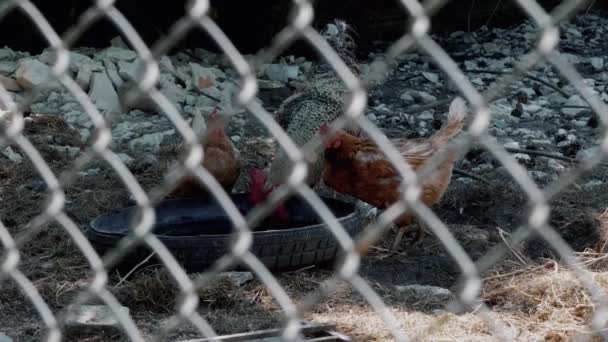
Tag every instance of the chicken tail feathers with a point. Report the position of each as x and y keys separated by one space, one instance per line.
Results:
x=455 y=122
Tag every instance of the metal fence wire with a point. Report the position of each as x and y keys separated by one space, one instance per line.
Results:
x=197 y=18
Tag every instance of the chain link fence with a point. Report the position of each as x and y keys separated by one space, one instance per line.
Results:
x=196 y=18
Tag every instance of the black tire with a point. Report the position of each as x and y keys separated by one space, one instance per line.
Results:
x=279 y=249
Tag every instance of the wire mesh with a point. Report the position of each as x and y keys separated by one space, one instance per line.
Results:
x=299 y=28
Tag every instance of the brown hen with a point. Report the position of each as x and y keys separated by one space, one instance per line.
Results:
x=357 y=167
x=221 y=159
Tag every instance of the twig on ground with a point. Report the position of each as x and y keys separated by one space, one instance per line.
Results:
x=527 y=75
x=418 y=109
x=123 y=279
x=472 y=176
x=547 y=155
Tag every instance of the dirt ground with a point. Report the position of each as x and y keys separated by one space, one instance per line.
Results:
x=529 y=289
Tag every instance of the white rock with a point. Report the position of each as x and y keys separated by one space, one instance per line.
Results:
x=102 y=93
x=511 y=144
x=31 y=73
x=597 y=63
x=532 y=108
x=574 y=100
x=86 y=317
x=149 y=142
x=426 y=115
x=116 y=54
x=5 y=338
x=235 y=138
x=12 y=155
x=9 y=84
x=431 y=76
x=282 y=73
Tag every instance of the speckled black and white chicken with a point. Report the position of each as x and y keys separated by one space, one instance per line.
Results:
x=321 y=101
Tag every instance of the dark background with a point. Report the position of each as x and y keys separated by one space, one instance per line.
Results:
x=252 y=24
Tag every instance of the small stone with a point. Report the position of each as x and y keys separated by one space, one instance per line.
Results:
x=235 y=138
x=426 y=115
x=238 y=278
x=149 y=142
x=407 y=97
x=597 y=63
x=102 y=93
x=372 y=117
x=9 y=84
x=511 y=144
x=432 y=77
x=86 y=317
x=12 y=155
x=5 y=338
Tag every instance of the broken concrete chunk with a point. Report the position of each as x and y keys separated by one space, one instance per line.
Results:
x=116 y=54
x=202 y=78
x=93 y=317
x=129 y=70
x=31 y=73
x=9 y=84
x=149 y=142
x=102 y=93
x=12 y=155
x=83 y=78
x=119 y=43
x=282 y=73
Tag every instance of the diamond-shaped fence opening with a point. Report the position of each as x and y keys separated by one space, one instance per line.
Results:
x=516 y=245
